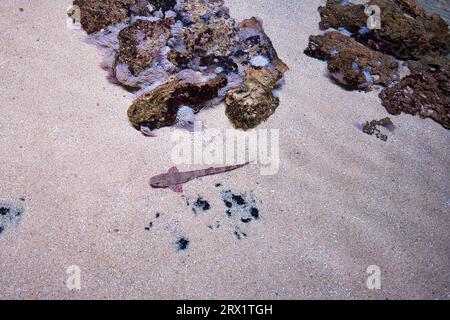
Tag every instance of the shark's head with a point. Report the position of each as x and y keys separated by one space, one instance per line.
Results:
x=159 y=181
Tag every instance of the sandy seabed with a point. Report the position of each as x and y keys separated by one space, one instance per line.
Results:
x=341 y=201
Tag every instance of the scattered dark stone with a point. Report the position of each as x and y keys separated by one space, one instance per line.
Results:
x=182 y=244
x=216 y=226
x=239 y=234
x=4 y=211
x=150 y=225
x=238 y=199
x=201 y=204
x=157 y=215
x=218 y=185
x=253 y=102
x=21 y=9
x=241 y=207
x=98 y=14
x=425 y=92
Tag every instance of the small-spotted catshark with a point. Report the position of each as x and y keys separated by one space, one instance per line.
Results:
x=173 y=179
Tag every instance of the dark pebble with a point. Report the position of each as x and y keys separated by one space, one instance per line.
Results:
x=182 y=244
x=238 y=199
x=254 y=213
x=4 y=211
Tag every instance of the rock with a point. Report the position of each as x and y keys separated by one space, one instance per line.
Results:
x=185 y=52
x=406 y=31
x=163 y=5
x=253 y=102
x=213 y=38
x=254 y=42
x=371 y=128
x=342 y=14
x=193 y=11
x=98 y=14
x=159 y=107
x=352 y=64
x=425 y=92
x=324 y=47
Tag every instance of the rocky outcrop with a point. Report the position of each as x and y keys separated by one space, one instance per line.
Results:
x=186 y=52
x=425 y=92
x=406 y=31
x=352 y=64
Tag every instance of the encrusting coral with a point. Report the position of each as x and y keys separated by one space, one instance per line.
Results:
x=188 y=53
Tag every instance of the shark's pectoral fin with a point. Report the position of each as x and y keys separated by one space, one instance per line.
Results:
x=178 y=188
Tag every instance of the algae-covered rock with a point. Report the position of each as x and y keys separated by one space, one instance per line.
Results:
x=324 y=47
x=371 y=128
x=406 y=31
x=140 y=41
x=254 y=43
x=184 y=52
x=193 y=11
x=253 y=102
x=98 y=14
x=425 y=92
x=342 y=14
x=163 y=5
x=159 y=107
x=352 y=64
